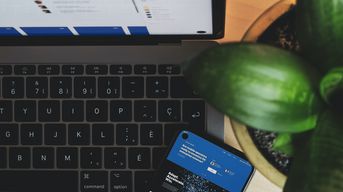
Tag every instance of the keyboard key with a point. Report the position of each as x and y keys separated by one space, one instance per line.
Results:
x=3 y=158
x=145 y=111
x=109 y=87
x=133 y=87
x=84 y=87
x=94 y=181
x=139 y=158
x=169 y=69
x=79 y=134
x=24 y=69
x=67 y=158
x=43 y=158
x=103 y=134
x=121 y=69
x=194 y=114
x=48 y=69
x=73 y=111
x=169 y=111
x=145 y=69
x=55 y=134
x=13 y=87
x=170 y=131
x=144 y=181
x=72 y=69
x=121 y=181
x=60 y=87
x=37 y=87
x=158 y=155
x=115 y=158
x=91 y=158
x=5 y=69
x=157 y=87
x=39 y=181
x=25 y=111
x=31 y=134
x=6 y=111
x=127 y=134
x=180 y=89
x=9 y=134
x=19 y=158
x=121 y=111
x=151 y=134
x=49 y=111
x=96 y=111
x=96 y=69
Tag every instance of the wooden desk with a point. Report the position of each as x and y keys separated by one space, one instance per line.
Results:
x=240 y=15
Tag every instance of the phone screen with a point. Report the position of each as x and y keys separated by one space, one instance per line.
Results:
x=197 y=164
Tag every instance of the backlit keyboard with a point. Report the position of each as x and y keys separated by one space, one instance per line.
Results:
x=91 y=127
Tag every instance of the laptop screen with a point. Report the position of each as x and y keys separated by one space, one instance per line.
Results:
x=41 y=18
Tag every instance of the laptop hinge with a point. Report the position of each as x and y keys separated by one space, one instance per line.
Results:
x=170 y=43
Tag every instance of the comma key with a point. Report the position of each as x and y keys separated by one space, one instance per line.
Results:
x=121 y=181
x=91 y=158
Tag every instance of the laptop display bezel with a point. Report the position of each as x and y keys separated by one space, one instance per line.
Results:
x=218 y=10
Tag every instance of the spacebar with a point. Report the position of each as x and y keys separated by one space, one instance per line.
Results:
x=39 y=181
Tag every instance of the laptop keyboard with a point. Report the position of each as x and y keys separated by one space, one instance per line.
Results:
x=100 y=127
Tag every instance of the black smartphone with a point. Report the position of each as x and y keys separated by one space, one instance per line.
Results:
x=197 y=163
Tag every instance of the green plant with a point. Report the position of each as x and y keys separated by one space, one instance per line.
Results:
x=301 y=99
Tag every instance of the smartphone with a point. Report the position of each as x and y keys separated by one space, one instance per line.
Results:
x=197 y=163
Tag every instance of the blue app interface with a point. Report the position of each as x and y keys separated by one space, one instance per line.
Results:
x=196 y=164
x=105 y=17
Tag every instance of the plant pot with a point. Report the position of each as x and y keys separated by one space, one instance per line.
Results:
x=264 y=30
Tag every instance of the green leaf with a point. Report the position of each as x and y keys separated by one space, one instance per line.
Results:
x=318 y=164
x=331 y=88
x=283 y=143
x=258 y=85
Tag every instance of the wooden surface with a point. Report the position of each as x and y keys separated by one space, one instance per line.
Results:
x=240 y=15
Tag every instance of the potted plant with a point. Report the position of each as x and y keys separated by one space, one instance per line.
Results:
x=276 y=26
x=299 y=97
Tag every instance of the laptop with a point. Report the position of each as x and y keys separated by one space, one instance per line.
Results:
x=92 y=91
